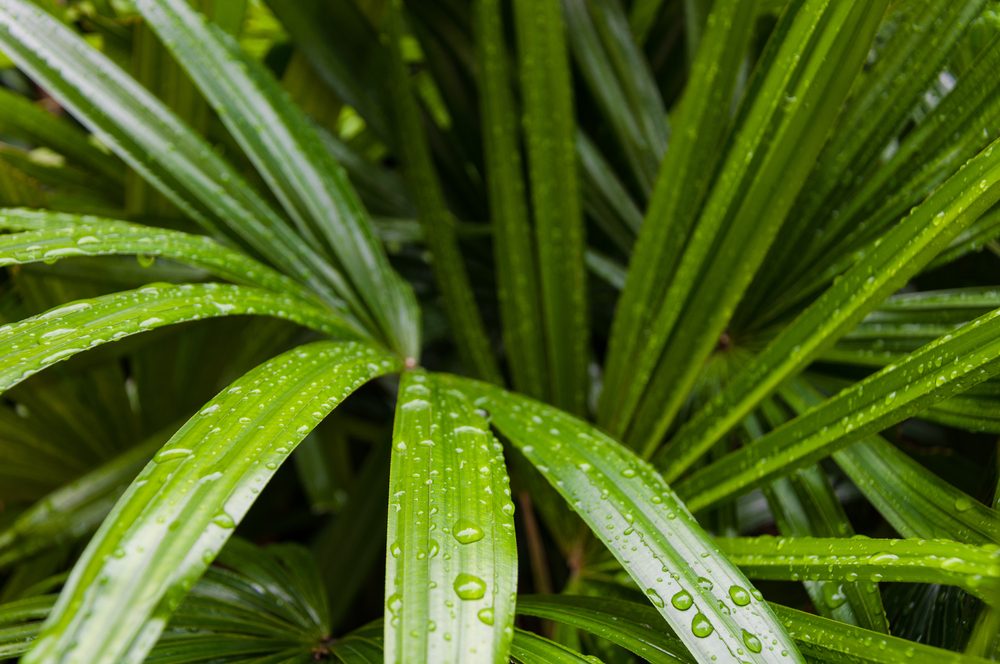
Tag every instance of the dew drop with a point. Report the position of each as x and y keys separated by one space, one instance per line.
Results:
x=467 y=532
x=752 y=643
x=485 y=616
x=469 y=587
x=739 y=595
x=700 y=626
x=682 y=600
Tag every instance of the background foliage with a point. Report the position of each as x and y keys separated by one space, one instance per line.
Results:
x=467 y=330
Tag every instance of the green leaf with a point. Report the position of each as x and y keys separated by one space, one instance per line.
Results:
x=780 y=131
x=177 y=514
x=898 y=256
x=529 y=648
x=948 y=366
x=636 y=627
x=513 y=251
x=153 y=141
x=707 y=601
x=53 y=236
x=827 y=640
x=883 y=101
x=255 y=602
x=38 y=342
x=362 y=646
x=926 y=157
x=973 y=568
x=438 y=223
x=915 y=501
x=618 y=76
x=451 y=563
x=685 y=177
x=805 y=504
x=289 y=153
x=549 y=135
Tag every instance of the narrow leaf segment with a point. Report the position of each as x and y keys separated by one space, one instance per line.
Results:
x=171 y=522
x=451 y=563
x=709 y=603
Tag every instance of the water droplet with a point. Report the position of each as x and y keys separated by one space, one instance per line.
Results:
x=467 y=532
x=172 y=454
x=700 y=626
x=485 y=616
x=739 y=595
x=963 y=504
x=223 y=520
x=682 y=600
x=654 y=598
x=145 y=260
x=752 y=643
x=469 y=587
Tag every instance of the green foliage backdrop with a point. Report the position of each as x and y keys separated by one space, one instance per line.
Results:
x=488 y=331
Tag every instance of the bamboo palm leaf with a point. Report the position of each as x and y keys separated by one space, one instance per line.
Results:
x=153 y=141
x=555 y=197
x=451 y=557
x=289 y=154
x=197 y=488
x=516 y=265
x=898 y=256
x=437 y=221
x=973 y=568
x=58 y=334
x=946 y=367
x=50 y=237
x=814 y=64
x=628 y=506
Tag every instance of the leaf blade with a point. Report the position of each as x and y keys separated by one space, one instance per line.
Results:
x=471 y=566
x=120 y=620
x=639 y=512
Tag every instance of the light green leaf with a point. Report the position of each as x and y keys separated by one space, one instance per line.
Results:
x=549 y=135
x=53 y=236
x=827 y=640
x=915 y=501
x=290 y=155
x=451 y=562
x=529 y=648
x=633 y=626
x=153 y=141
x=708 y=602
x=898 y=256
x=804 y=504
x=948 y=366
x=132 y=575
x=973 y=568
x=38 y=342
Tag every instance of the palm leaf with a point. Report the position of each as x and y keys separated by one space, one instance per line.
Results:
x=627 y=505
x=448 y=531
x=197 y=488
x=289 y=154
